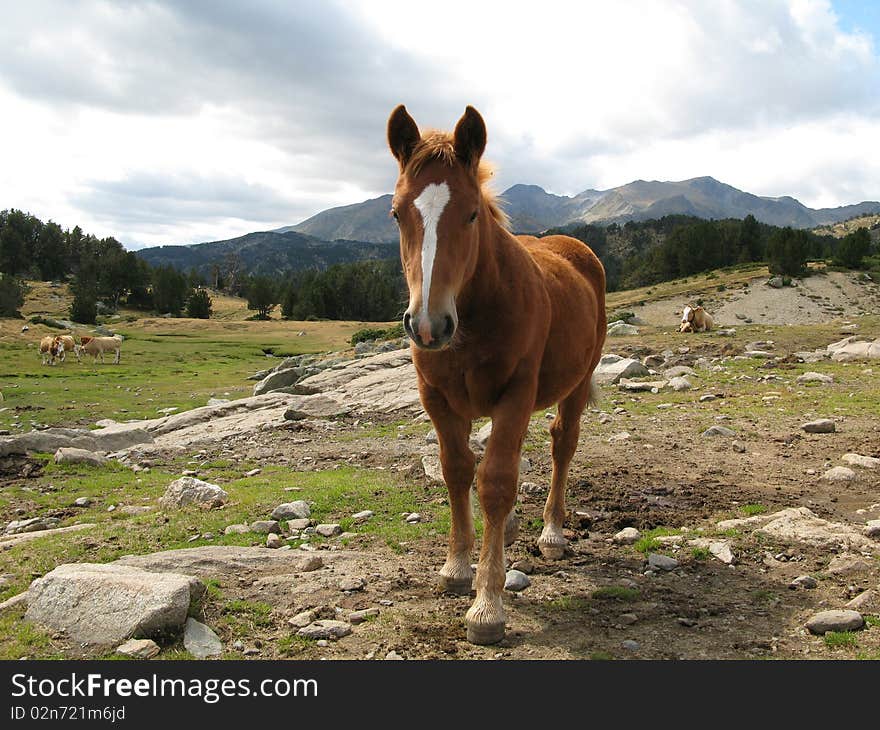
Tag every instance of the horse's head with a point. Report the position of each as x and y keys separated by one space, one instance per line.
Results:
x=437 y=205
x=57 y=347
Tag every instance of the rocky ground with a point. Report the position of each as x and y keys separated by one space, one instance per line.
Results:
x=707 y=519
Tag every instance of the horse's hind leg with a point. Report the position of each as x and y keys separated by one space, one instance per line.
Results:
x=457 y=460
x=565 y=430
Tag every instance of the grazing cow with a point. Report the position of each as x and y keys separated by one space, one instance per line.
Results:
x=69 y=346
x=50 y=348
x=695 y=319
x=97 y=346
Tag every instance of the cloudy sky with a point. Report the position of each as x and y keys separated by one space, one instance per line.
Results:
x=178 y=122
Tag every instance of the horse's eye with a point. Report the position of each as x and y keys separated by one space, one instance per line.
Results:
x=473 y=217
x=394 y=214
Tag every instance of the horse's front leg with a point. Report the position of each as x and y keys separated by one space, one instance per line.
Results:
x=457 y=460
x=497 y=478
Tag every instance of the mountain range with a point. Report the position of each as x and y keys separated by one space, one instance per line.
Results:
x=365 y=230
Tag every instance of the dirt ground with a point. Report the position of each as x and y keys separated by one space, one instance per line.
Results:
x=600 y=595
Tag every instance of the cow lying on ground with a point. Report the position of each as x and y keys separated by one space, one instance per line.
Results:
x=97 y=346
x=50 y=348
x=695 y=319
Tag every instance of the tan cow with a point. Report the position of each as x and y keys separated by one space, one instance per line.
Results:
x=695 y=319
x=69 y=346
x=50 y=348
x=97 y=346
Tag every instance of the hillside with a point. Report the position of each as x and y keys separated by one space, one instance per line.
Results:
x=268 y=252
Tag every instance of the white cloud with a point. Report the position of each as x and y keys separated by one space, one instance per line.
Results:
x=174 y=122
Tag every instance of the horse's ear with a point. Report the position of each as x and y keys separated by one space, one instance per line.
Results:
x=403 y=134
x=470 y=137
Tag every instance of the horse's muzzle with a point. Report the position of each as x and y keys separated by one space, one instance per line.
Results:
x=429 y=333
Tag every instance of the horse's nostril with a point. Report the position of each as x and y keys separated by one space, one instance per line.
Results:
x=450 y=327
x=407 y=322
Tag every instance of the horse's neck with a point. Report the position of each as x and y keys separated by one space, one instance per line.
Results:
x=485 y=285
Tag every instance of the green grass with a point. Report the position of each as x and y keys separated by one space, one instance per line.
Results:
x=700 y=553
x=648 y=542
x=749 y=510
x=616 y=593
x=568 y=603
x=182 y=365
x=840 y=640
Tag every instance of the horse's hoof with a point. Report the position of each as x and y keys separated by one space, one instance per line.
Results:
x=552 y=550
x=459 y=586
x=485 y=633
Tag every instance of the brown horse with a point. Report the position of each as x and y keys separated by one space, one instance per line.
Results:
x=501 y=326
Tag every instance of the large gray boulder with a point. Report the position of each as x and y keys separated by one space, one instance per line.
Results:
x=612 y=368
x=192 y=491
x=110 y=438
x=224 y=560
x=107 y=604
x=278 y=379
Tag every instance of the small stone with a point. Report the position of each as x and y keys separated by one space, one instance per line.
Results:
x=265 y=526
x=524 y=566
x=821 y=425
x=803 y=581
x=69 y=455
x=516 y=581
x=718 y=431
x=605 y=418
x=358 y=617
x=706 y=398
x=238 y=645
x=328 y=530
x=352 y=584
x=812 y=377
x=680 y=384
x=362 y=516
x=298 y=524
x=393 y=656
x=200 y=640
x=302 y=619
x=619 y=437
x=839 y=474
x=630 y=645
x=82 y=502
x=189 y=490
x=252 y=472
x=273 y=540
x=662 y=562
x=325 y=629
x=836 y=620
x=867 y=462
x=413 y=517
x=627 y=619
x=432 y=468
x=292 y=510
x=721 y=550
x=531 y=488
x=239 y=529
x=322 y=643
x=627 y=536
x=866 y=602
x=848 y=565
x=872 y=528
x=139 y=648
x=738 y=446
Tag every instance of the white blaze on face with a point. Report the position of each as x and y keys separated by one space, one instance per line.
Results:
x=430 y=203
x=686 y=315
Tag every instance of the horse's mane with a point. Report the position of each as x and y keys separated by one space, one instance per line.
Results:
x=437 y=145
